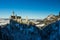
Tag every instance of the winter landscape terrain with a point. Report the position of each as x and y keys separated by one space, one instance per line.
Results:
x=17 y=31
x=17 y=28
x=29 y=19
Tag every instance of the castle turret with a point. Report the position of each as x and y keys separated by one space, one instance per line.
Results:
x=26 y=19
x=16 y=17
x=13 y=15
x=19 y=19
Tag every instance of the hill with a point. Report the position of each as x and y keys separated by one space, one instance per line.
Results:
x=16 y=31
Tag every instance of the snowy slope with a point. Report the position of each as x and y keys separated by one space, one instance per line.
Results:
x=16 y=31
x=51 y=32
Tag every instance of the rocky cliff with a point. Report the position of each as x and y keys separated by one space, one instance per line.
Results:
x=16 y=31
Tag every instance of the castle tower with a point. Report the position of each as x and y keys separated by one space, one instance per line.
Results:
x=26 y=19
x=13 y=15
x=16 y=17
x=20 y=20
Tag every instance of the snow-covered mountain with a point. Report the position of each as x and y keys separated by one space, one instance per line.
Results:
x=51 y=31
x=51 y=17
x=4 y=21
x=16 y=31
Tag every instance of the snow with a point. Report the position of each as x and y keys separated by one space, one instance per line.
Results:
x=16 y=31
x=4 y=22
x=40 y=25
x=50 y=17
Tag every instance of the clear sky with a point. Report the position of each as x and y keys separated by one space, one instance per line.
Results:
x=32 y=8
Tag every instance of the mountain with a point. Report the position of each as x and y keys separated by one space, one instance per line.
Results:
x=51 y=31
x=16 y=31
x=51 y=17
x=4 y=21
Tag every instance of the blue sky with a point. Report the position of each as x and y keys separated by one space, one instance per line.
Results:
x=36 y=9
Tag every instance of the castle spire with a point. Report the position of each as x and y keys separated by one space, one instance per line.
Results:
x=13 y=13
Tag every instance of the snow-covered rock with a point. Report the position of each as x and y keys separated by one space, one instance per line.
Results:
x=16 y=31
x=51 y=17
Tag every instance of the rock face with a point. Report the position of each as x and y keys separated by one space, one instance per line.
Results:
x=51 y=32
x=16 y=31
